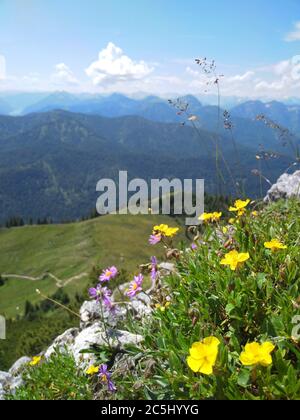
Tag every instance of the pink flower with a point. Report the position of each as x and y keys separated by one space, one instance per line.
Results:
x=105 y=377
x=108 y=274
x=153 y=269
x=194 y=247
x=102 y=294
x=154 y=239
x=135 y=286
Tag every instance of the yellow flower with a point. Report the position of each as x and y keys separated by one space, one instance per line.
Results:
x=240 y=207
x=257 y=354
x=225 y=230
x=92 y=370
x=162 y=308
x=254 y=213
x=206 y=217
x=170 y=232
x=35 y=360
x=274 y=245
x=203 y=356
x=165 y=230
x=232 y=221
x=234 y=259
x=210 y=217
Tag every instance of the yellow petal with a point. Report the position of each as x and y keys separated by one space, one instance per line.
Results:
x=211 y=341
x=206 y=368
x=267 y=347
x=194 y=364
x=243 y=257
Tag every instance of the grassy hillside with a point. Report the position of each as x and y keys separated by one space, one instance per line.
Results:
x=66 y=251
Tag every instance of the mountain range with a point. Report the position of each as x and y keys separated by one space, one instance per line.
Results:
x=50 y=162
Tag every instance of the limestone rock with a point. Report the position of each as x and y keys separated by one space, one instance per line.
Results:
x=96 y=336
x=19 y=366
x=90 y=312
x=287 y=186
x=63 y=343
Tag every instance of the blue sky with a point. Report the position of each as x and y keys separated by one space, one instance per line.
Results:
x=150 y=45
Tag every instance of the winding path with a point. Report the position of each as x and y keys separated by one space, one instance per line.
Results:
x=59 y=283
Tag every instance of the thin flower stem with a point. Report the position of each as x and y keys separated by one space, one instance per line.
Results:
x=105 y=326
x=58 y=304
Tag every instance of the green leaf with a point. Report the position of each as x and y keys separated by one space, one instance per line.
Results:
x=229 y=308
x=261 y=280
x=244 y=378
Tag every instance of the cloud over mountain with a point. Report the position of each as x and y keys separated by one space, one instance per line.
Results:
x=113 y=66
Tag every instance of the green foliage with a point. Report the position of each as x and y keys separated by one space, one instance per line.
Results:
x=31 y=335
x=56 y=379
x=257 y=302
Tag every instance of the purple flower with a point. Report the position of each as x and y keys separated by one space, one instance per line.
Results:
x=135 y=286
x=153 y=269
x=108 y=274
x=154 y=239
x=102 y=293
x=105 y=377
x=194 y=247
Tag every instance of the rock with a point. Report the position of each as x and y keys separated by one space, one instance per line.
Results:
x=96 y=336
x=287 y=186
x=63 y=343
x=5 y=378
x=90 y=312
x=15 y=383
x=5 y=381
x=167 y=268
x=2 y=393
x=19 y=366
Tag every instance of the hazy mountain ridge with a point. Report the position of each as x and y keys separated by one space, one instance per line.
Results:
x=50 y=162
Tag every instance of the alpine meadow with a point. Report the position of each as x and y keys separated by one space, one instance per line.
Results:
x=149 y=203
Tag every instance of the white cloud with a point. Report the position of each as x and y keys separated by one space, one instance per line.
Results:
x=295 y=34
x=241 y=77
x=63 y=75
x=114 y=66
x=2 y=67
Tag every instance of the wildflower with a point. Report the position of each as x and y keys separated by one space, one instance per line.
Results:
x=165 y=230
x=108 y=274
x=105 y=377
x=257 y=354
x=225 y=230
x=35 y=360
x=155 y=239
x=234 y=259
x=275 y=245
x=231 y=221
x=135 y=286
x=92 y=370
x=211 y=217
x=153 y=269
x=203 y=356
x=194 y=247
x=240 y=207
x=164 y=307
x=102 y=294
x=254 y=213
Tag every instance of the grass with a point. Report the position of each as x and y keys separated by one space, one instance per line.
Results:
x=58 y=379
x=259 y=302
x=69 y=250
x=256 y=303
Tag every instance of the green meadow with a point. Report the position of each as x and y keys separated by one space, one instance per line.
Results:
x=69 y=250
